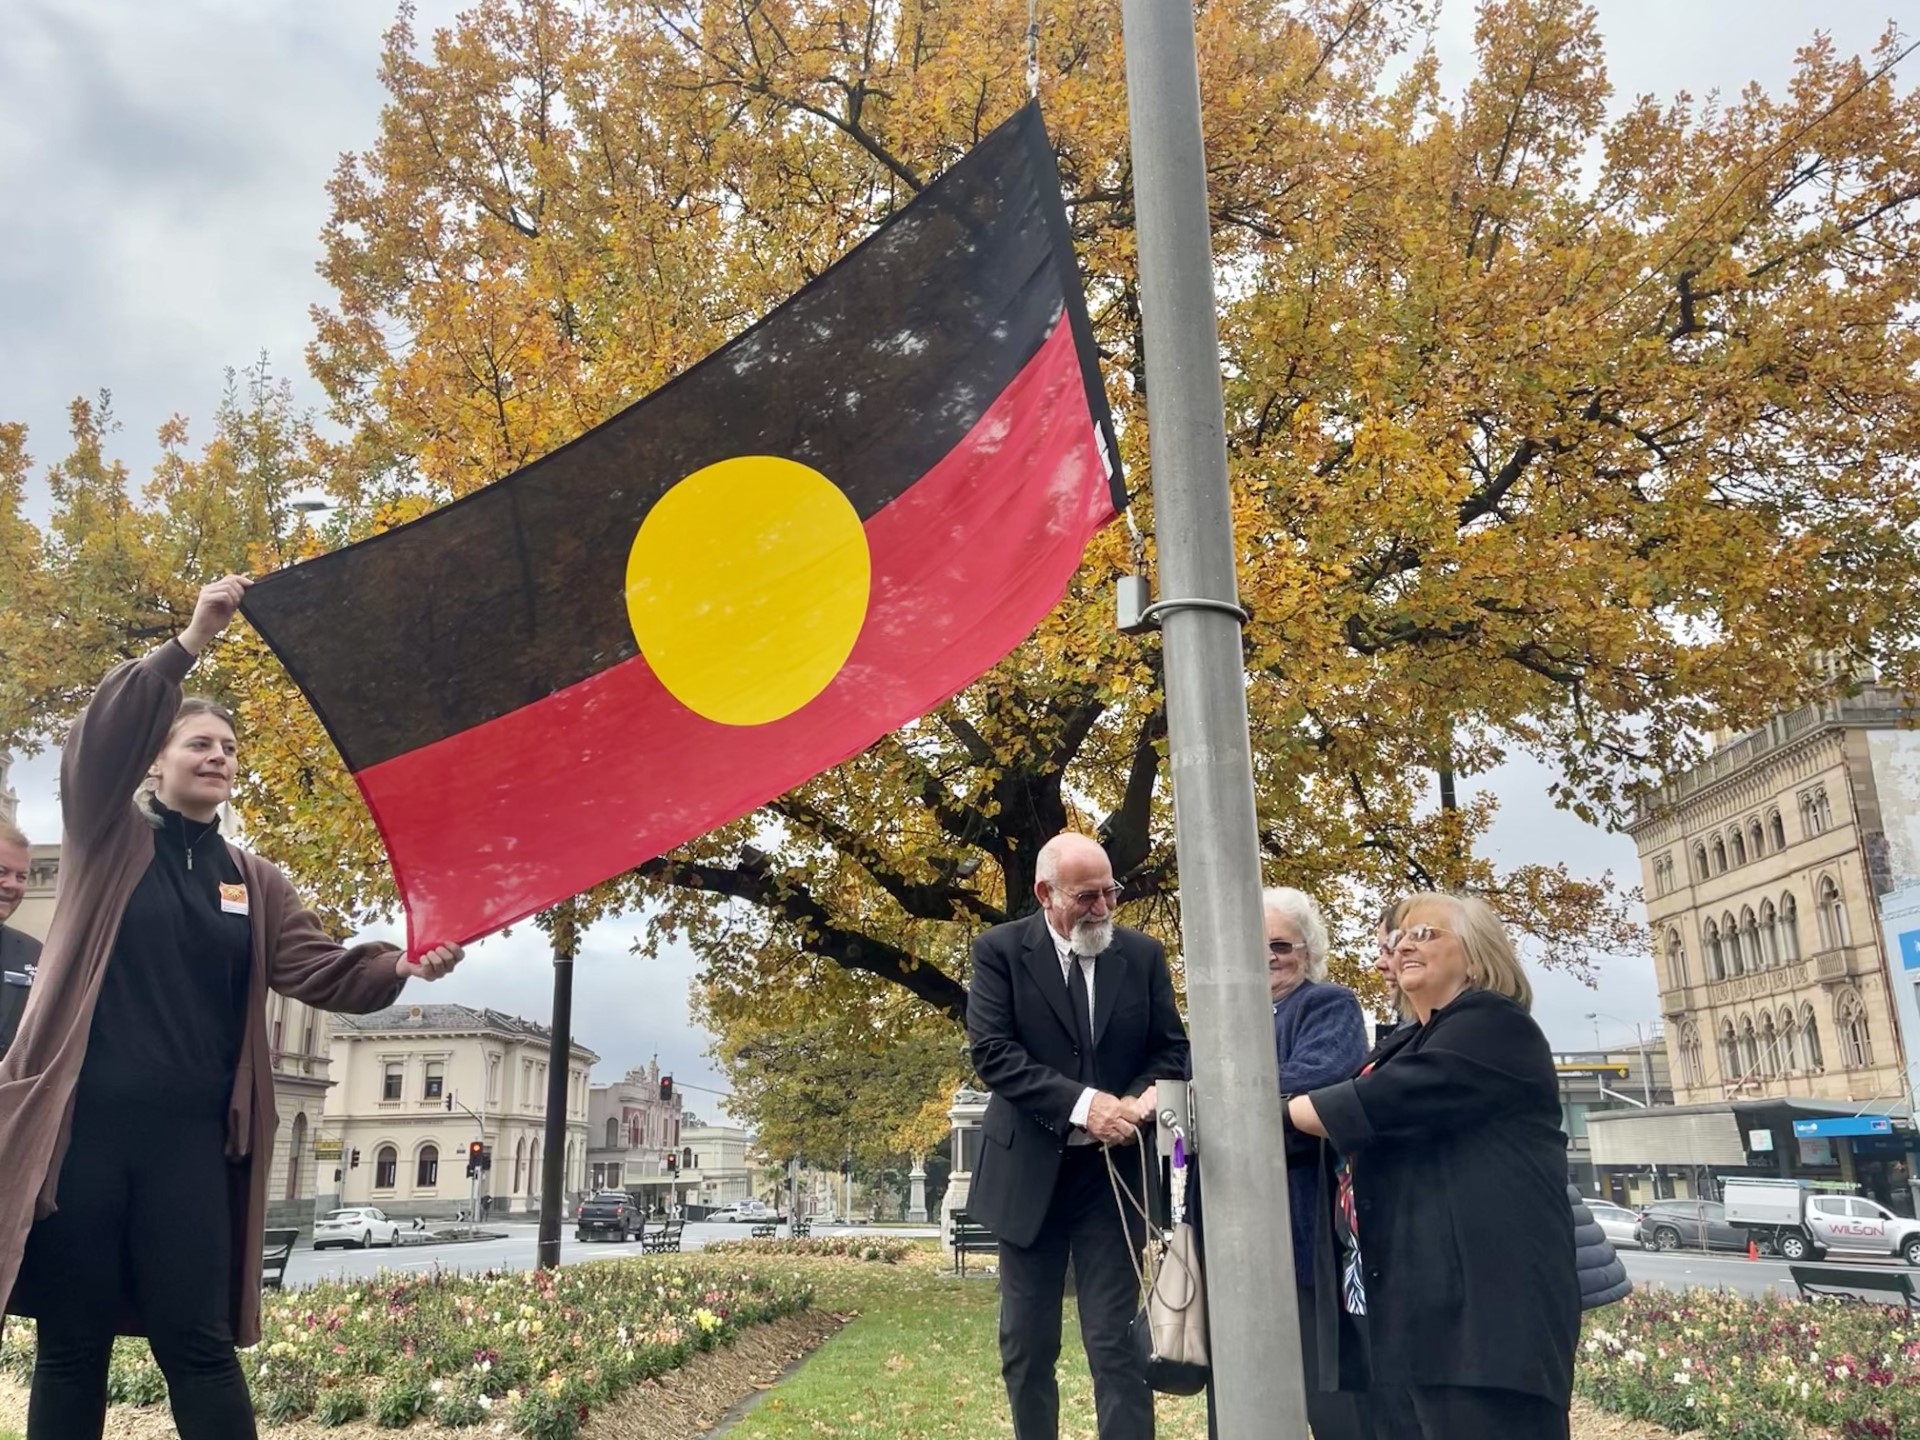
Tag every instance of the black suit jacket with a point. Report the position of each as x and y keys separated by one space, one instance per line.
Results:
x=18 y=950
x=1459 y=1179
x=1026 y=1052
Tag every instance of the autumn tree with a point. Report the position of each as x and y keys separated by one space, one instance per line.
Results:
x=1550 y=434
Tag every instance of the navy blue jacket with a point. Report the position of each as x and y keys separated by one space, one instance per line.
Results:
x=1319 y=1038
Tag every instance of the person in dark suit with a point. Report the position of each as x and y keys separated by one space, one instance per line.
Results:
x=19 y=951
x=1072 y=1020
x=1454 y=1185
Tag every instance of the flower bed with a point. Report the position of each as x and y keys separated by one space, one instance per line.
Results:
x=535 y=1351
x=1741 y=1369
x=831 y=1247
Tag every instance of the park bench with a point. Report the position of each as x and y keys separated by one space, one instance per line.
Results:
x=970 y=1237
x=801 y=1228
x=665 y=1240
x=765 y=1230
x=1849 y=1283
x=277 y=1249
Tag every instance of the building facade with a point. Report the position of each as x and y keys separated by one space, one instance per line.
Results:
x=1598 y=1082
x=632 y=1127
x=415 y=1085
x=716 y=1166
x=1761 y=867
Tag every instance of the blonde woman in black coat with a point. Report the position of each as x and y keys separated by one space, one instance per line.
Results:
x=1455 y=1184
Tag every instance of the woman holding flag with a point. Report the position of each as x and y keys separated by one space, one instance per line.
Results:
x=136 y=1105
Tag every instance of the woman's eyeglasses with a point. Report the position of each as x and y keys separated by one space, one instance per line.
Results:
x=1417 y=934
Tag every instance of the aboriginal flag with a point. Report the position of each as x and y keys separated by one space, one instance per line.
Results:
x=818 y=533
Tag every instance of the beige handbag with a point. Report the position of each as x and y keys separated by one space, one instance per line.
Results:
x=1170 y=1332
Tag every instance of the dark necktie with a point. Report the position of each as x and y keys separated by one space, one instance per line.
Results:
x=1078 y=1002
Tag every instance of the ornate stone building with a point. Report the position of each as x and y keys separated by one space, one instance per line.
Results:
x=1761 y=868
x=416 y=1084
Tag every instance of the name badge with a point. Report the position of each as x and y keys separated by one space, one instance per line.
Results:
x=233 y=899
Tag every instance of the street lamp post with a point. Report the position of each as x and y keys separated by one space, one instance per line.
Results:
x=1640 y=1041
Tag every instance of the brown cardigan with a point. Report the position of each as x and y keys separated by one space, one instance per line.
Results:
x=105 y=848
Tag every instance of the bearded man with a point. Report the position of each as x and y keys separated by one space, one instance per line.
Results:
x=1072 y=1020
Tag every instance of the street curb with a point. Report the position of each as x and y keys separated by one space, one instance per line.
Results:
x=746 y=1407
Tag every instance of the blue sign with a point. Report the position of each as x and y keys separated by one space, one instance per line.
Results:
x=1845 y=1125
x=1910 y=949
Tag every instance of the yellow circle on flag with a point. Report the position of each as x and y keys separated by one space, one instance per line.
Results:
x=747 y=585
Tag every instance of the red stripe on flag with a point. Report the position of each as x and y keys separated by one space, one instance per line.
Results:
x=493 y=824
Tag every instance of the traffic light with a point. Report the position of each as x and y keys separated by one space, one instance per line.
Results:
x=666 y=1089
x=673 y=1163
x=479 y=1158
x=846 y=1168
x=353 y=1161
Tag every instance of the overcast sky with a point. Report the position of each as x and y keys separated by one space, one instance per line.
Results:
x=165 y=166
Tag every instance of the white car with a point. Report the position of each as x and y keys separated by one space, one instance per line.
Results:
x=362 y=1227
x=1616 y=1221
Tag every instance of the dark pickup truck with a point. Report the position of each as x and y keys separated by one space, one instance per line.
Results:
x=610 y=1215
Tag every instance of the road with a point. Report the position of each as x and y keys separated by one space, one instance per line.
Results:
x=1684 y=1269
x=517 y=1249
x=1676 y=1270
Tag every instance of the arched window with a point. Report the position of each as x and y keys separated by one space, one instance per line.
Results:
x=1778 y=828
x=1749 y=1049
x=1676 y=960
x=1716 y=955
x=1810 y=1037
x=519 y=1165
x=1729 y=1054
x=1789 y=928
x=1770 y=932
x=613 y=1133
x=533 y=1169
x=1789 y=1042
x=1737 y=846
x=1719 y=856
x=386 y=1168
x=1756 y=843
x=1856 y=1049
x=1834 y=932
x=1692 y=1071
x=1700 y=871
x=1822 y=811
x=426 y=1170
x=1730 y=937
x=296 y=1153
x=1756 y=957
x=1769 y=1048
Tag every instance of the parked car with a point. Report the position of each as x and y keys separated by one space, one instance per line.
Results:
x=610 y=1215
x=1619 y=1224
x=1803 y=1224
x=1688 y=1225
x=362 y=1227
x=747 y=1212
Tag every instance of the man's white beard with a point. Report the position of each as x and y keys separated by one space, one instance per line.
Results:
x=1090 y=937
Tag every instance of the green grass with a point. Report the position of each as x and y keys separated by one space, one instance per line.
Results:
x=922 y=1363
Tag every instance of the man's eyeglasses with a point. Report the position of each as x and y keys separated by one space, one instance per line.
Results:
x=1417 y=934
x=1085 y=898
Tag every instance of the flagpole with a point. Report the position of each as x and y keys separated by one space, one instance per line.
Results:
x=1253 y=1322
x=559 y=1068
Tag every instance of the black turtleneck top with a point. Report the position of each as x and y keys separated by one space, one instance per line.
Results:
x=173 y=1005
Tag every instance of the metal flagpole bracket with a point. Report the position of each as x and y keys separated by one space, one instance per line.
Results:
x=1135 y=616
x=1173 y=1101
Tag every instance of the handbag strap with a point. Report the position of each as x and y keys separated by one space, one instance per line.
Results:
x=1147 y=1266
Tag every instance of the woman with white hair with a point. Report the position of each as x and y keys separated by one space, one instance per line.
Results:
x=1319 y=1038
x=1455 y=1239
